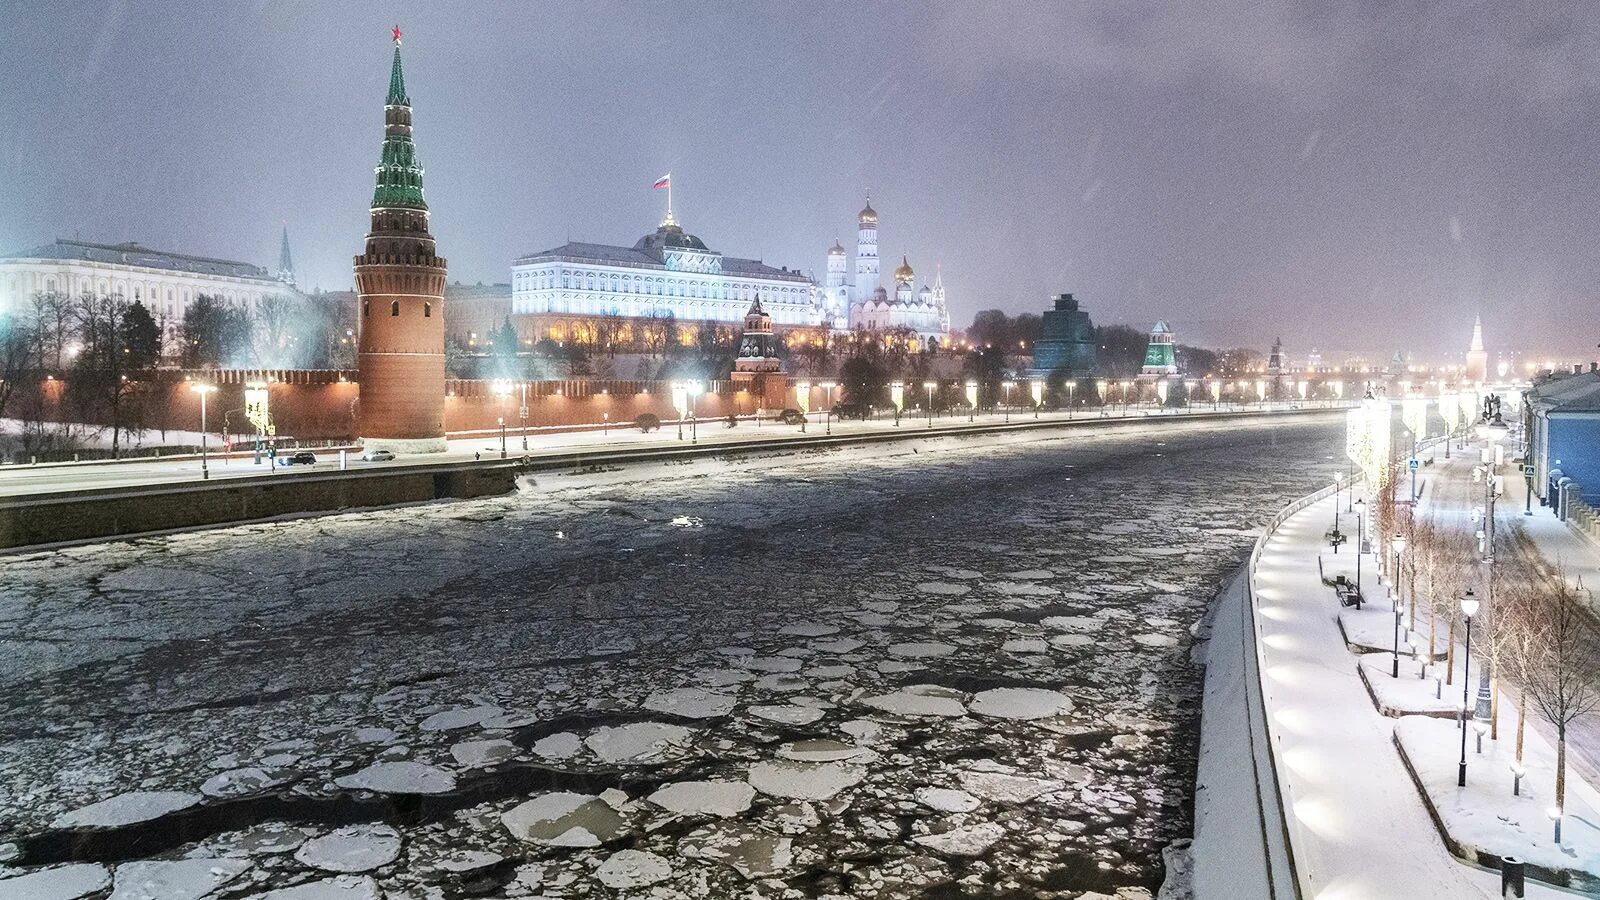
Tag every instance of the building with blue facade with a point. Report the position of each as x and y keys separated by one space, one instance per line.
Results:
x=1562 y=417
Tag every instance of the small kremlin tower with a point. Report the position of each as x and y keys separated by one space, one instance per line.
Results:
x=1477 y=371
x=400 y=279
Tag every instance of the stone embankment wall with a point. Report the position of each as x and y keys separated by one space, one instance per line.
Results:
x=114 y=512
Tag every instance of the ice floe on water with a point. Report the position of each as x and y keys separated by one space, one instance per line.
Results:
x=919 y=700
x=342 y=887
x=712 y=798
x=239 y=782
x=804 y=781
x=564 y=819
x=126 y=809
x=476 y=754
x=964 y=840
x=176 y=879
x=452 y=719
x=946 y=800
x=1020 y=703
x=403 y=777
x=68 y=882
x=637 y=742
x=628 y=869
x=787 y=714
x=690 y=703
x=354 y=848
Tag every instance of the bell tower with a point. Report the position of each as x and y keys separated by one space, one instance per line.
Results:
x=400 y=281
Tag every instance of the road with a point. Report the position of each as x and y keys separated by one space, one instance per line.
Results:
x=870 y=672
x=17 y=480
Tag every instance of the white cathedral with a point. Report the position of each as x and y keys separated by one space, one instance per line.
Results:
x=866 y=306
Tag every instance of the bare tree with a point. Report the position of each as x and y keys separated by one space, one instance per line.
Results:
x=1559 y=667
x=17 y=356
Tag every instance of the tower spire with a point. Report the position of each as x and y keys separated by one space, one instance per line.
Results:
x=285 y=261
x=399 y=176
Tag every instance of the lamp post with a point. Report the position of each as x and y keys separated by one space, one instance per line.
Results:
x=693 y=389
x=1070 y=385
x=972 y=396
x=802 y=396
x=897 y=393
x=1361 y=537
x=502 y=389
x=1338 y=479
x=203 y=390
x=1492 y=431
x=1469 y=608
x=829 y=386
x=1399 y=544
x=930 y=385
x=522 y=411
x=1008 y=385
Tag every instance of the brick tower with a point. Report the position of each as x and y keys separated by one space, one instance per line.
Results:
x=400 y=279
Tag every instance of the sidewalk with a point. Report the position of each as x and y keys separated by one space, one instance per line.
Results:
x=1359 y=827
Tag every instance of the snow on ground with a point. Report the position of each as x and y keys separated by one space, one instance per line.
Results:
x=849 y=680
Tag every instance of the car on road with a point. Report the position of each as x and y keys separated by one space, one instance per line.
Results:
x=377 y=456
x=303 y=458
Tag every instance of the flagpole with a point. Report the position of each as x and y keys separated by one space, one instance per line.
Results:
x=669 y=196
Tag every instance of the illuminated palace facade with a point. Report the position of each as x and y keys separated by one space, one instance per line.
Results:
x=668 y=272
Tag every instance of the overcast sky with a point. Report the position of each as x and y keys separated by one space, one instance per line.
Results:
x=1351 y=175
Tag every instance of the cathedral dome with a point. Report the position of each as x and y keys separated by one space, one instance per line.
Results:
x=904 y=272
x=926 y=293
x=868 y=214
x=836 y=250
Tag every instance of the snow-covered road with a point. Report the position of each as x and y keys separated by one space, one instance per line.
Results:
x=858 y=672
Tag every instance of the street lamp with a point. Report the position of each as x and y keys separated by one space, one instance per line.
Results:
x=930 y=385
x=502 y=423
x=972 y=398
x=802 y=396
x=829 y=386
x=502 y=389
x=1399 y=544
x=1008 y=385
x=897 y=394
x=1361 y=537
x=203 y=390
x=1338 y=480
x=694 y=389
x=1069 y=386
x=1469 y=608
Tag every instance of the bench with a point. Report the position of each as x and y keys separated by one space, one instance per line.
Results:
x=1347 y=592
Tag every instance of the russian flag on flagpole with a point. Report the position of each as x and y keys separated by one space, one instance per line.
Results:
x=664 y=181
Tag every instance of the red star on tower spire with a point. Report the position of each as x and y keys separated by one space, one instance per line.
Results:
x=397 y=35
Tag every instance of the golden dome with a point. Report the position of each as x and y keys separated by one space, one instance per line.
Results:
x=904 y=273
x=868 y=214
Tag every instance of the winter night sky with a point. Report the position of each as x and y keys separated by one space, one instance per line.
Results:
x=1241 y=168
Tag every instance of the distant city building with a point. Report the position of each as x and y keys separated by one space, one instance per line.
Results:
x=1477 y=370
x=1563 y=428
x=1160 y=358
x=873 y=308
x=400 y=279
x=666 y=272
x=164 y=281
x=1066 y=343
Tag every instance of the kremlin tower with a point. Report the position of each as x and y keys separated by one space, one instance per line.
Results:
x=400 y=279
x=1477 y=371
x=866 y=253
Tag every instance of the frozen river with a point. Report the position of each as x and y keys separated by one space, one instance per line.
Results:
x=943 y=668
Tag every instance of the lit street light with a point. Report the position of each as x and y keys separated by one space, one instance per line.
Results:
x=203 y=390
x=972 y=398
x=1008 y=385
x=930 y=385
x=828 y=416
x=694 y=389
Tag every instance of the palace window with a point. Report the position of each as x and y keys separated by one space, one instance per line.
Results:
x=427 y=310
x=366 y=308
x=394 y=308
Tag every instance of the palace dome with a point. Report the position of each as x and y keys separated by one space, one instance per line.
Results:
x=868 y=214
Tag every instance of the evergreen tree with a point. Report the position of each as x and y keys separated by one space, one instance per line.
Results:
x=141 y=339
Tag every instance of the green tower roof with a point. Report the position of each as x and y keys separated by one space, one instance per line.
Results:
x=399 y=175
x=397 y=82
